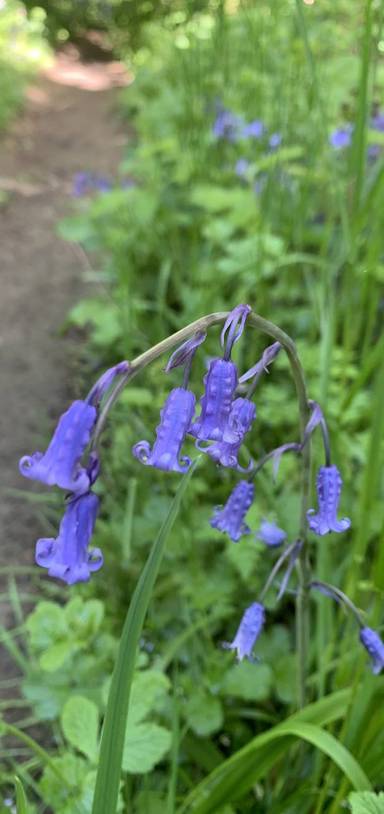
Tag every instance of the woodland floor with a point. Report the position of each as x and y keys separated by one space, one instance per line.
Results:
x=70 y=123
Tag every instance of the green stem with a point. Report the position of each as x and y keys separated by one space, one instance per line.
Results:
x=269 y=328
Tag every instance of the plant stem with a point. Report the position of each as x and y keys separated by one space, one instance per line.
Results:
x=269 y=328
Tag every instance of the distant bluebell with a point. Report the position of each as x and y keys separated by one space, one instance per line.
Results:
x=375 y=647
x=329 y=485
x=248 y=631
x=86 y=182
x=377 y=122
x=176 y=416
x=227 y=125
x=230 y=518
x=275 y=140
x=341 y=137
x=67 y=557
x=270 y=534
x=241 y=167
x=254 y=129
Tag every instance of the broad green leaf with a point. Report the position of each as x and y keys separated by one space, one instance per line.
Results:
x=115 y=723
x=80 y=723
x=145 y=745
x=366 y=802
x=46 y=625
x=21 y=800
x=204 y=713
x=55 y=656
x=147 y=687
x=84 y=618
x=249 y=681
x=68 y=796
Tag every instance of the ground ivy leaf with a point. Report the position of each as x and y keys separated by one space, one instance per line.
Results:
x=145 y=745
x=80 y=722
x=204 y=713
x=249 y=681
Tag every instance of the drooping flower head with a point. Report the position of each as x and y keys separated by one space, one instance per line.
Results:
x=176 y=416
x=375 y=647
x=67 y=557
x=240 y=420
x=248 y=632
x=270 y=534
x=329 y=485
x=230 y=518
x=104 y=382
x=60 y=464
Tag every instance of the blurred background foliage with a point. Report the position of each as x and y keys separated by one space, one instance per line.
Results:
x=290 y=219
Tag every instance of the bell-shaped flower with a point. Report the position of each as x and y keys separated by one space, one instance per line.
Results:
x=270 y=534
x=329 y=485
x=220 y=385
x=268 y=356
x=225 y=452
x=176 y=417
x=248 y=631
x=233 y=328
x=375 y=647
x=104 y=382
x=230 y=518
x=60 y=464
x=68 y=557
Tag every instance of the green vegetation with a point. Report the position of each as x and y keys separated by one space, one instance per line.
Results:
x=297 y=233
x=21 y=51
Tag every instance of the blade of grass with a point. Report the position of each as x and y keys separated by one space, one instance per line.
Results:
x=21 y=800
x=113 y=734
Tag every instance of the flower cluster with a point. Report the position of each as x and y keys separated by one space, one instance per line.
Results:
x=84 y=183
x=341 y=137
x=67 y=556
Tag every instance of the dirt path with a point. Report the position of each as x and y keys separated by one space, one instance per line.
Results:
x=69 y=124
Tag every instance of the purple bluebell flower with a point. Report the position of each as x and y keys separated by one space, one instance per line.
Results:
x=241 y=167
x=227 y=125
x=86 y=182
x=329 y=485
x=176 y=417
x=248 y=631
x=270 y=534
x=220 y=385
x=269 y=354
x=377 y=122
x=233 y=328
x=60 y=464
x=230 y=518
x=225 y=452
x=375 y=647
x=67 y=557
x=275 y=140
x=104 y=382
x=341 y=137
x=254 y=129
x=186 y=351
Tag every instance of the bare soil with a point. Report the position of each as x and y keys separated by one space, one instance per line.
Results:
x=70 y=124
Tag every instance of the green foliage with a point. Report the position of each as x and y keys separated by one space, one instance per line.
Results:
x=21 y=51
x=366 y=802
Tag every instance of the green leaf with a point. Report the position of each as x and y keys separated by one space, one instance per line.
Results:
x=252 y=682
x=147 y=687
x=70 y=795
x=113 y=735
x=366 y=802
x=46 y=625
x=236 y=775
x=21 y=800
x=80 y=723
x=204 y=713
x=145 y=745
x=55 y=656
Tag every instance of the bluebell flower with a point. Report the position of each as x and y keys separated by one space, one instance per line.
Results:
x=176 y=417
x=329 y=485
x=185 y=352
x=86 y=182
x=275 y=140
x=270 y=534
x=104 y=382
x=254 y=129
x=375 y=647
x=233 y=328
x=241 y=167
x=240 y=420
x=60 y=464
x=67 y=557
x=248 y=632
x=230 y=518
x=269 y=354
x=227 y=125
x=341 y=137
x=377 y=122
x=220 y=384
